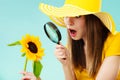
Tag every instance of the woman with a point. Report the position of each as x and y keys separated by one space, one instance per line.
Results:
x=93 y=49
x=87 y=37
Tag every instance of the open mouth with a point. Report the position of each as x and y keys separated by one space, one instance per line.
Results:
x=72 y=32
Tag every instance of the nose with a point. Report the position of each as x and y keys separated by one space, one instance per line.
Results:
x=68 y=21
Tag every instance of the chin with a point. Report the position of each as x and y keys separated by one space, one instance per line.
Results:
x=75 y=38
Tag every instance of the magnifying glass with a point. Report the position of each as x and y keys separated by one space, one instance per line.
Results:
x=52 y=32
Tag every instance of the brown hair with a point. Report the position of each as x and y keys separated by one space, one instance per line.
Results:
x=96 y=36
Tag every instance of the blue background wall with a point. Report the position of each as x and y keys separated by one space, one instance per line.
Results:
x=19 y=17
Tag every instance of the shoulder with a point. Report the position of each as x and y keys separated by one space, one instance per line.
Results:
x=112 y=45
x=116 y=36
x=114 y=39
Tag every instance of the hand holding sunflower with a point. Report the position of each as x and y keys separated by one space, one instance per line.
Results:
x=31 y=48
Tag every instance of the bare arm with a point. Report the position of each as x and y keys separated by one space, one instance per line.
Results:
x=109 y=69
x=69 y=73
x=63 y=56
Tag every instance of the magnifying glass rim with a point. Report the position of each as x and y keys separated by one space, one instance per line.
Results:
x=56 y=30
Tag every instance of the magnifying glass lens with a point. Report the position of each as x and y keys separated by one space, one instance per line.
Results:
x=52 y=32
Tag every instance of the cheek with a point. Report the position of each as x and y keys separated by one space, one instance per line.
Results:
x=82 y=26
x=81 y=29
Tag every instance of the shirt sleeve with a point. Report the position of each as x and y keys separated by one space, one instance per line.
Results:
x=114 y=48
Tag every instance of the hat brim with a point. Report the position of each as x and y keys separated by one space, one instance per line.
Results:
x=57 y=14
x=66 y=10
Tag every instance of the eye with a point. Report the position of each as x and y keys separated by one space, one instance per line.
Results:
x=77 y=16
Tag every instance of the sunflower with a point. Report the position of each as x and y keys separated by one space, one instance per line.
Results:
x=32 y=47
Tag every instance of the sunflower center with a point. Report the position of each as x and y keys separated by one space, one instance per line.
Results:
x=32 y=47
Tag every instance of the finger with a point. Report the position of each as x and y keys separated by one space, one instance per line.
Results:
x=23 y=72
x=60 y=55
x=27 y=73
x=59 y=47
x=62 y=59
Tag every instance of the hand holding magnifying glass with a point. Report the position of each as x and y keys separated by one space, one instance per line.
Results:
x=52 y=33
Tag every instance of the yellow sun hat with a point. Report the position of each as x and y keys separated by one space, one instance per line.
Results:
x=73 y=8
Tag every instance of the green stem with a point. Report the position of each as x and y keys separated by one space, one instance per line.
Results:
x=25 y=65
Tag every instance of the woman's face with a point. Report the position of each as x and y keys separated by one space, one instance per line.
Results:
x=76 y=27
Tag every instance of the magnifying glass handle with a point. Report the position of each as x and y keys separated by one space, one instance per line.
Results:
x=58 y=43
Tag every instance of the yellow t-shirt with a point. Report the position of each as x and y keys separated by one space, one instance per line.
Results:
x=111 y=48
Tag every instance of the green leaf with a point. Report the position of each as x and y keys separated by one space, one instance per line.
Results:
x=23 y=54
x=14 y=43
x=37 y=67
